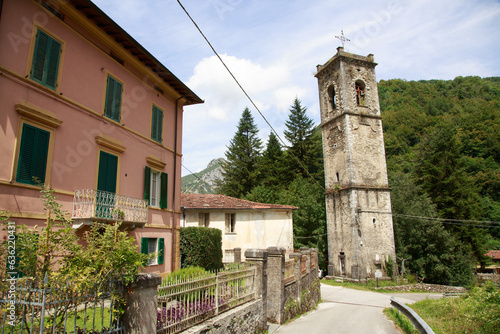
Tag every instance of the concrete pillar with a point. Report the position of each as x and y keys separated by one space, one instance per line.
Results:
x=307 y=252
x=258 y=257
x=297 y=272
x=141 y=304
x=237 y=255
x=276 y=284
x=314 y=254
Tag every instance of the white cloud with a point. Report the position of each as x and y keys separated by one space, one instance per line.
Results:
x=273 y=48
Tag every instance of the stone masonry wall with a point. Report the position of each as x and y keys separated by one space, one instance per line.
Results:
x=241 y=320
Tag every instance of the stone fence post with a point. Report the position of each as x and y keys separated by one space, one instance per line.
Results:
x=237 y=255
x=307 y=252
x=276 y=285
x=140 y=310
x=297 y=272
x=259 y=258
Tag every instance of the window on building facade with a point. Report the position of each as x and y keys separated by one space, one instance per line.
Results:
x=113 y=103
x=230 y=223
x=157 y=124
x=152 y=246
x=32 y=162
x=155 y=188
x=360 y=93
x=45 y=66
x=331 y=97
x=204 y=219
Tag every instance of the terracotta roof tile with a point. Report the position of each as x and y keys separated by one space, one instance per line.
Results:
x=215 y=201
x=495 y=254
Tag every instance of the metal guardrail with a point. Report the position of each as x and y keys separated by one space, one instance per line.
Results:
x=103 y=205
x=418 y=322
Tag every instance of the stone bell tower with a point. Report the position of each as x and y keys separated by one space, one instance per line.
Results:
x=358 y=203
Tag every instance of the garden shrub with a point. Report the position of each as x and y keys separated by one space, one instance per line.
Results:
x=185 y=272
x=201 y=246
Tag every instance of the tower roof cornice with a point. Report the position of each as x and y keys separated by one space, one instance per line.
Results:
x=347 y=57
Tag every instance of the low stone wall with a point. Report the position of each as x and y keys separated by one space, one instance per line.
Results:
x=301 y=294
x=494 y=278
x=425 y=288
x=300 y=291
x=243 y=319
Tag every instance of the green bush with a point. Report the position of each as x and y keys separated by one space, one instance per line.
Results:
x=201 y=246
x=185 y=272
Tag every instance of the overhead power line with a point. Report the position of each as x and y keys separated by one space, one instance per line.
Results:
x=450 y=220
x=246 y=94
x=191 y=172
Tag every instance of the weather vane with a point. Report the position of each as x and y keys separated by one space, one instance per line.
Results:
x=342 y=38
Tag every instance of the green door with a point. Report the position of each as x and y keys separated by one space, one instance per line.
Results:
x=106 y=183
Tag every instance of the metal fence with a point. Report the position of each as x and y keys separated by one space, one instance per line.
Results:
x=97 y=204
x=28 y=306
x=187 y=301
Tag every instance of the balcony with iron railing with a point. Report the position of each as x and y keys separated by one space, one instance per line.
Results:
x=91 y=205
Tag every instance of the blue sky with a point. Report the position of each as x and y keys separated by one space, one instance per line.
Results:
x=273 y=47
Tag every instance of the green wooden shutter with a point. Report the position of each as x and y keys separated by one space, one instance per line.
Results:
x=117 y=101
x=33 y=152
x=163 y=190
x=153 y=124
x=46 y=60
x=160 y=125
x=161 y=250
x=157 y=124
x=144 y=248
x=41 y=46
x=113 y=104
x=147 y=183
x=110 y=93
x=108 y=165
x=40 y=158
x=53 y=64
x=101 y=177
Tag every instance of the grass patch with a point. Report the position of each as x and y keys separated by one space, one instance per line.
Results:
x=87 y=320
x=369 y=285
x=400 y=320
x=478 y=312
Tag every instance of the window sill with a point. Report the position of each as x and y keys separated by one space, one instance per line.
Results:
x=230 y=233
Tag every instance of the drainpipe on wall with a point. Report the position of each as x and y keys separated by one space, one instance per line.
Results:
x=172 y=260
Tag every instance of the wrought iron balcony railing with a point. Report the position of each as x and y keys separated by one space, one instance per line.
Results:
x=90 y=204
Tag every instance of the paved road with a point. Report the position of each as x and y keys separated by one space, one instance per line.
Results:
x=348 y=311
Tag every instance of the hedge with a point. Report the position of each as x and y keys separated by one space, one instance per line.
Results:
x=201 y=246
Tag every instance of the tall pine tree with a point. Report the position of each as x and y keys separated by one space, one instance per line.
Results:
x=240 y=168
x=304 y=145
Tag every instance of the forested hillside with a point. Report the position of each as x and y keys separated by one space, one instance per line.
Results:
x=442 y=145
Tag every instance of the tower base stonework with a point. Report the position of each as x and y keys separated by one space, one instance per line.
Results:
x=358 y=204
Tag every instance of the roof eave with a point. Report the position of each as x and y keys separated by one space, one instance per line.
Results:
x=95 y=14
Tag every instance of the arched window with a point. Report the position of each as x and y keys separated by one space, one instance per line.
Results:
x=331 y=97
x=360 y=93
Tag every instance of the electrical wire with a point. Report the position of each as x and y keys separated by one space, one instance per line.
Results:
x=248 y=96
x=450 y=220
x=192 y=172
x=459 y=222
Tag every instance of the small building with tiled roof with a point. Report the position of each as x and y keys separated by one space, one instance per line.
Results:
x=244 y=224
x=495 y=266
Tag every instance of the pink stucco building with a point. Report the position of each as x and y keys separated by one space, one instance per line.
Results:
x=87 y=110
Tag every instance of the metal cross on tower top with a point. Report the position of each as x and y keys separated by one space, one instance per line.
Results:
x=342 y=38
